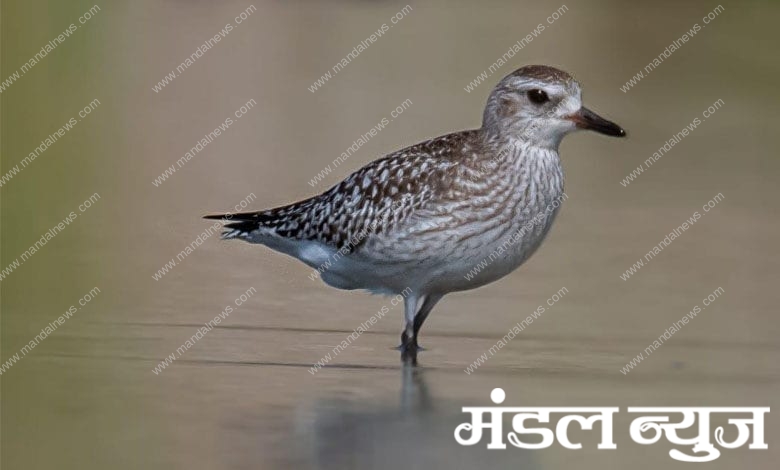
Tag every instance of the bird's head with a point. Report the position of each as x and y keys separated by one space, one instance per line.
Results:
x=540 y=105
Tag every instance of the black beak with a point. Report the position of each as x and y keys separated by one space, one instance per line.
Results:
x=587 y=119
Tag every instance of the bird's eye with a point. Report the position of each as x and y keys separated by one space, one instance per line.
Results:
x=538 y=96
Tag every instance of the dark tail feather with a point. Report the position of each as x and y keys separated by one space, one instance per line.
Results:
x=257 y=216
x=245 y=222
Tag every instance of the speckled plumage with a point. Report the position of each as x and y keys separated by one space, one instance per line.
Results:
x=372 y=200
x=425 y=216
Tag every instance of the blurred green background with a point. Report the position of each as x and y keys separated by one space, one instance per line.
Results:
x=86 y=397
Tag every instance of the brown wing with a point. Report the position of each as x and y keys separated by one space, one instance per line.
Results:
x=373 y=199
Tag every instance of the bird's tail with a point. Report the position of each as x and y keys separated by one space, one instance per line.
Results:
x=259 y=225
x=239 y=225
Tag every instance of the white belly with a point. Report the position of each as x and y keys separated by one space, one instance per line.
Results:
x=444 y=267
x=463 y=243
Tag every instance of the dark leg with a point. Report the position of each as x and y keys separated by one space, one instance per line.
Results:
x=415 y=317
x=409 y=352
x=408 y=342
x=425 y=310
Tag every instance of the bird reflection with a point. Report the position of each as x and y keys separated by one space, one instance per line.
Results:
x=415 y=395
x=414 y=433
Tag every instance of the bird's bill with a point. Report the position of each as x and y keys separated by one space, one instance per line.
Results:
x=587 y=119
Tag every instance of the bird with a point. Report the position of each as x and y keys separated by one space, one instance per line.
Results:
x=449 y=214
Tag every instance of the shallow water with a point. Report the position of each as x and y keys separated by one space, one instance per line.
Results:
x=243 y=396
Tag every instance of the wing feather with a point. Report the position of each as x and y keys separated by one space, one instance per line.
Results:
x=374 y=199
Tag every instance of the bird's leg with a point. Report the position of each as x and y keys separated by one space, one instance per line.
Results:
x=410 y=309
x=425 y=309
x=408 y=340
x=409 y=356
x=414 y=319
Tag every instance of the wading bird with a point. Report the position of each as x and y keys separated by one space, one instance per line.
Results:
x=450 y=214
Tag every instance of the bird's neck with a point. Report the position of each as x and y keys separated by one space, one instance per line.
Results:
x=518 y=151
x=526 y=137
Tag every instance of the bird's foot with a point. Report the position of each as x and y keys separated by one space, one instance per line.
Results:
x=409 y=349
x=409 y=359
x=409 y=341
